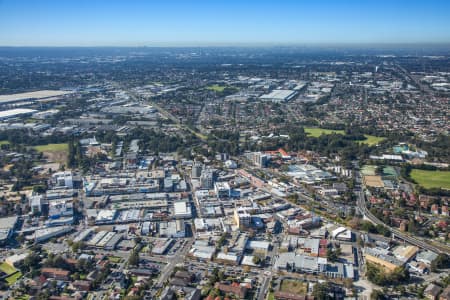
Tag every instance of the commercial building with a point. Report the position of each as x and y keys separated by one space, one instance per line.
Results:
x=258 y=246
x=58 y=208
x=426 y=257
x=222 y=189
x=207 y=179
x=202 y=251
x=160 y=246
x=405 y=253
x=66 y=179
x=105 y=216
x=228 y=258
x=242 y=218
x=260 y=159
x=380 y=258
x=36 y=203
x=182 y=209
x=300 y=263
x=342 y=234
x=196 y=169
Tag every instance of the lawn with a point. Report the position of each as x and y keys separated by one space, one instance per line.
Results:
x=11 y=279
x=114 y=259
x=371 y=140
x=8 y=269
x=431 y=179
x=368 y=170
x=4 y=142
x=271 y=296
x=52 y=148
x=294 y=286
x=316 y=132
x=216 y=88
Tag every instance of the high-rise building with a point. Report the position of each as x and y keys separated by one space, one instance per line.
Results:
x=196 y=169
x=207 y=179
x=242 y=218
x=261 y=159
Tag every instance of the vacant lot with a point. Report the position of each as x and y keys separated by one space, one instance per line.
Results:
x=373 y=181
x=54 y=152
x=294 y=286
x=316 y=132
x=431 y=179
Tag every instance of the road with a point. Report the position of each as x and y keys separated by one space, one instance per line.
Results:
x=176 y=259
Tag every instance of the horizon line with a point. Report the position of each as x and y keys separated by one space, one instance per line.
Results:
x=234 y=44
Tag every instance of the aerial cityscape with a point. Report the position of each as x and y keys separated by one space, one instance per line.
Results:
x=197 y=167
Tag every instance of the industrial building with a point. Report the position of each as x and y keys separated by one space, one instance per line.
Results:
x=173 y=229
x=7 y=226
x=45 y=234
x=279 y=95
x=17 y=112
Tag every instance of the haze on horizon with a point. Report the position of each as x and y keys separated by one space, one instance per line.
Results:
x=212 y=23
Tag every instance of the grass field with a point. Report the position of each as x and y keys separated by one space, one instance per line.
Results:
x=316 y=132
x=114 y=259
x=371 y=140
x=8 y=269
x=431 y=179
x=13 y=278
x=216 y=88
x=368 y=170
x=4 y=142
x=293 y=286
x=52 y=148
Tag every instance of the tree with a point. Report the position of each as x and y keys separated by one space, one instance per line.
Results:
x=134 y=258
x=333 y=255
x=321 y=290
x=348 y=283
x=442 y=261
x=256 y=260
x=377 y=295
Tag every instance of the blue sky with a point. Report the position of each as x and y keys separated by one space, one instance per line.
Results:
x=214 y=22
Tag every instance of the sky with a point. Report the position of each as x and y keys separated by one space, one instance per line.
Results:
x=217 y=22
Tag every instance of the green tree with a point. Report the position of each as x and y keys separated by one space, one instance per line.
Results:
x=377 y=295
x=321 y=291
x=134 y=258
